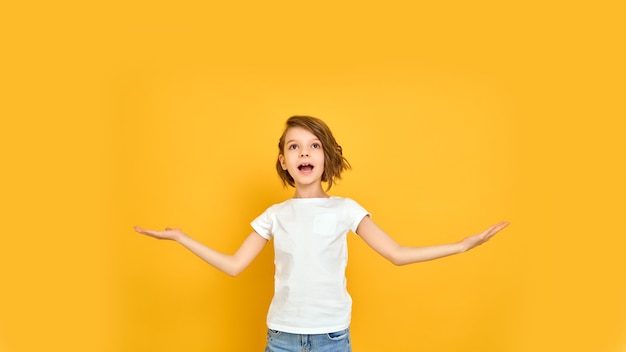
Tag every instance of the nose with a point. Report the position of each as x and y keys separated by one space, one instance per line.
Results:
x=304 y=152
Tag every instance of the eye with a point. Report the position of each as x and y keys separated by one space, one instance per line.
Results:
x=316 y=146
x=292 y=146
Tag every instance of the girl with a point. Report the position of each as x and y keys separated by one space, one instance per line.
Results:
x=311 y=308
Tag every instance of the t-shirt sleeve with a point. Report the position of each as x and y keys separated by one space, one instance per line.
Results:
x=355 y=213
x=263 y=224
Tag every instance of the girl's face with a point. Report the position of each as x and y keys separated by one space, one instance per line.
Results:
x=303 y=157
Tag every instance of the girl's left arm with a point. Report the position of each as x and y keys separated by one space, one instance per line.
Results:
x=386 y=246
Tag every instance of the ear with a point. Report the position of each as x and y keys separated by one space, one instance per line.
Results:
x=281 y=158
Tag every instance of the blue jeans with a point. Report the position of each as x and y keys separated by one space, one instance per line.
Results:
x=278 y=341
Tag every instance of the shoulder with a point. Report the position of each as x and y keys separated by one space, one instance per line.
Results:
x=270 y=214
x=277 y=207
x=345 y=201
x=350 y=206
x=352 y=212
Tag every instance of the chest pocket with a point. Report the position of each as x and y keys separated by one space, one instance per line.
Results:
x=325 y=224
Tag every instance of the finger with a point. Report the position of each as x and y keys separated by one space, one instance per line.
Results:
x=501 y=225
x=496 y=228
x=151 y=233
x=141 y=230
x=486 y=232
x=491 y=228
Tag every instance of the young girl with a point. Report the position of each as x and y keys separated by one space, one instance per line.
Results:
x=311 y=308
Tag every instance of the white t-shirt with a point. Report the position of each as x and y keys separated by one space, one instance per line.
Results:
x=310 y=248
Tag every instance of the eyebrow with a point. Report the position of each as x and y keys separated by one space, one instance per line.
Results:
x=294 y=140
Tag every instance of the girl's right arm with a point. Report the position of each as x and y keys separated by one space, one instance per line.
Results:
x=229 y=264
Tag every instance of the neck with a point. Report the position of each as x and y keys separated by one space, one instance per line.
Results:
x=310 y=192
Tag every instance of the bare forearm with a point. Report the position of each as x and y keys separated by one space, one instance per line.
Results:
x=408 y=255
x=229 y=264
x=221 y=261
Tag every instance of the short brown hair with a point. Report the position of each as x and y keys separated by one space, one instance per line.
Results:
x=334 y=162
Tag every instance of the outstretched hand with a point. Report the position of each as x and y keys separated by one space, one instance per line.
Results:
x=167 y=234
x=477 y=240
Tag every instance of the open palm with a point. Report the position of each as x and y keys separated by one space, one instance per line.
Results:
x=477 y=240
x=167 y=234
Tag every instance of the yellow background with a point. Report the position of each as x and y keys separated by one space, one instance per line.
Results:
x=453 y=115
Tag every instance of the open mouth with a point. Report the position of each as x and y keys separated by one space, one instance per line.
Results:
x=305 y=167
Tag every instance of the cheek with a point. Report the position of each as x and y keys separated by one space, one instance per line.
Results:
x=322 y=162
x=322 y=157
